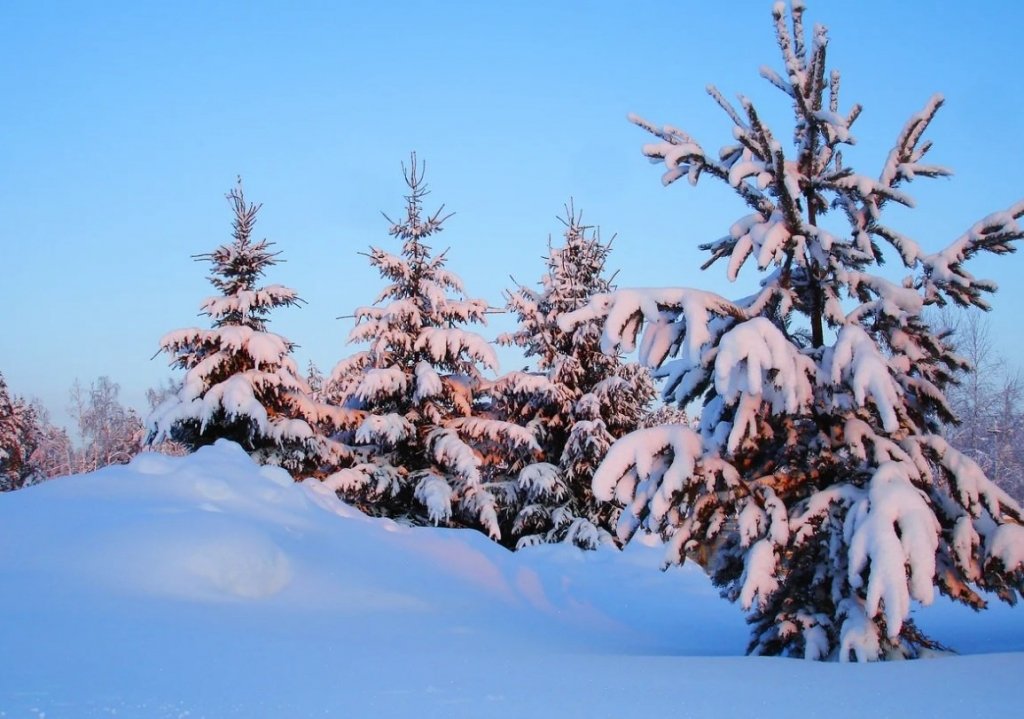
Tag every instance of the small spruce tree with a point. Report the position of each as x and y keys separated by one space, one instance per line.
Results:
x=430 y=449
x=577 y=402
x=819 y=487
x=315 y=379
x=241 y=382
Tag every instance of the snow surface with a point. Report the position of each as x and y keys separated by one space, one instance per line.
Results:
x=206 y=586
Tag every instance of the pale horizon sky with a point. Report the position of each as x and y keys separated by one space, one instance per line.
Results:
x=126 y=122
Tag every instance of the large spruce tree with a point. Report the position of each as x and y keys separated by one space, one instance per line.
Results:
x=577 y=400
x=819 y=486
x=430 y=449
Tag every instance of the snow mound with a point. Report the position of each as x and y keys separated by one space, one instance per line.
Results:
x=208 y=586
x=213 y=527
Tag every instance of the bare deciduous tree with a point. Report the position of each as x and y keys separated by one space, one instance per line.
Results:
x=987 y=403
x=109 y=432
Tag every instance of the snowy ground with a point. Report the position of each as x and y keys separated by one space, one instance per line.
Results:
x=208 y=587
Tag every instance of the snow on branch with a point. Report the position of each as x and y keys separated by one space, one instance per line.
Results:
x=428 y=382
x=453 y=453
x=245 y=302
x=383 y=382
x=542 y=480
x=682 y=156
x=434 y=493
x=662 y=459
x=974 y=491
x=856 y=363
x=945 y=275
x=904 y=160
x=668 y=483
x=895 y=531
x=445 y=344
x=387 y=430
x=757 y=364
x=495 y=432
x=626 y=310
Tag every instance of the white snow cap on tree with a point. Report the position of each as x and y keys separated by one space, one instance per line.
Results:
x=429 y=447
x=819 y=489
x=241 y=382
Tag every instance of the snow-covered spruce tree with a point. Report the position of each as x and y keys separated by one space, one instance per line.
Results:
x=576 y=402
x=432 y=451
x=819 y=487
x=241 y=382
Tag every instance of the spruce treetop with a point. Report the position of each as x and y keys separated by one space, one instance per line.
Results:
x=415 y=318
x=236 y=269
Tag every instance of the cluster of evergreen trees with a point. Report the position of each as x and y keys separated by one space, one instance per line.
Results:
x=820 y=489
x=411 y=426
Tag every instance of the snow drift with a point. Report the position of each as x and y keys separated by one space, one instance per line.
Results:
x=209 y=586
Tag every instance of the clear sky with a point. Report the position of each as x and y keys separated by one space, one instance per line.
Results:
x=124 y=123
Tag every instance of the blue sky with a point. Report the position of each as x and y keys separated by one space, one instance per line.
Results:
x=125 y=123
